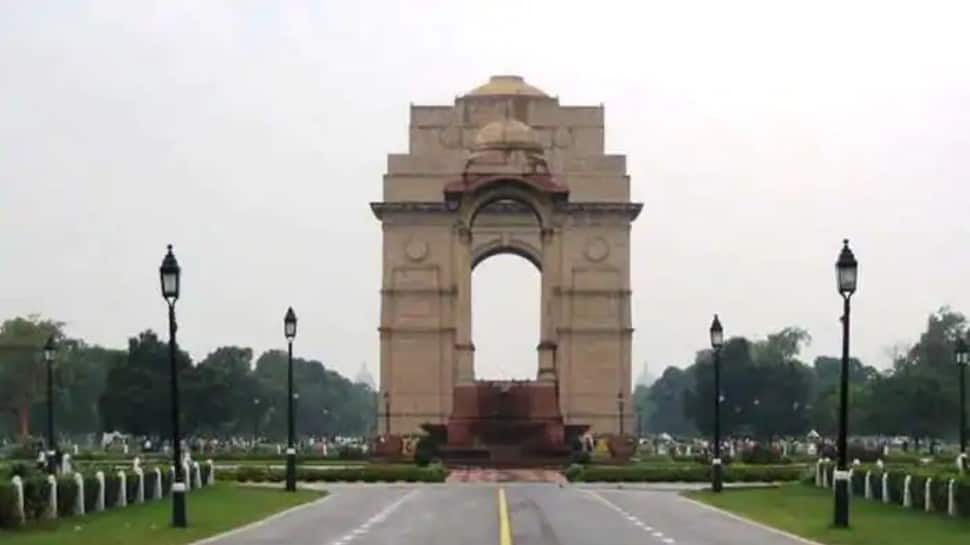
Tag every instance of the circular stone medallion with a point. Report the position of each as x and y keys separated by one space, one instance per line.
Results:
x=597 y=249
x=416 y=250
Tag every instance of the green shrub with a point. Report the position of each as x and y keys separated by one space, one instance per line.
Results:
x=684 y=473
x=36 y=492
x=67 y=492
x=149 y=484
x=111 y=485
x=916 y=490
x=939 y=491
x=573 y=471
x=9 y=517
x=761 y=454
x=863 y=453
x=895 y=486
x=876 y=485
x=131 y=484
x=90 y=493
x=655 y=459
x=166 y=481
x=858 y=483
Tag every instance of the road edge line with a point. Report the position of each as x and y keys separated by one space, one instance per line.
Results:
x=750 y=522
x=260 y=522
x=504 y=528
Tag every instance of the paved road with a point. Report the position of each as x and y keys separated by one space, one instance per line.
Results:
x=472 y=514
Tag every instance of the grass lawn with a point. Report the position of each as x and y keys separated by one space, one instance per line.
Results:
x=210 y=511
x=807 y=512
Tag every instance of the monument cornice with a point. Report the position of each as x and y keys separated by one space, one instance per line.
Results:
x=630 y=210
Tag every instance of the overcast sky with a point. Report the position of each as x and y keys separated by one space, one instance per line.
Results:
x=252 y=135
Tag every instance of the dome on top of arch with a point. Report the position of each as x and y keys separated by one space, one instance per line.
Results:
x=506 y=85
x=507 y=134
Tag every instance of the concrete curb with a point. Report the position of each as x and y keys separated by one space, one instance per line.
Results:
x=260 y=522
x=750 y=522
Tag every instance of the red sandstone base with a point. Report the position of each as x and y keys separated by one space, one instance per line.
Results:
x=505 y=422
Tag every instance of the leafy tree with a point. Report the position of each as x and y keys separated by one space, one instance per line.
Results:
x=22 y=368
x=137 y=396
x=666 y=395
x=219 y=392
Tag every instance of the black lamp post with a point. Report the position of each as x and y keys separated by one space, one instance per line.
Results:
x=49 y=351
x=170 y=274
x=846 y=269
x=255 y=421
x=962 y=359
x=717 y=341
x=289 y=329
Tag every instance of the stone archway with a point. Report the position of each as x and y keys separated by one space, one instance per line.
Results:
x=503 y=171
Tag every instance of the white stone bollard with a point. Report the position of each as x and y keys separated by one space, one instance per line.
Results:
x=928 y=495
x=885 y=488
x=951 y=498
x=171 y=473
x=99 y=503
x=279 y=449
x=880 y=464
x=196 y=475
x=18 y=486
x=868 y=485
x=125 y=447
x=136 y=463
x=158 y=484
x=122 y=490
x=79 y=500
x=849 y=485
x=825 y=476
x=66 y=467
x=907 y=493
x=818 y=473
x=187 y=476
x=212 y=473
x=140 y=495
x=52 y=500
x=962 y=462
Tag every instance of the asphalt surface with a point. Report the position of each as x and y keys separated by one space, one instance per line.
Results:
x=536 y=514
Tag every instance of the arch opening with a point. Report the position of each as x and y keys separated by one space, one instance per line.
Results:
x=506 y=192
x=506 y=301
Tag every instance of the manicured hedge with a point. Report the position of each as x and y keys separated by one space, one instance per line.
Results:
x=690 y=474
x=370 y=473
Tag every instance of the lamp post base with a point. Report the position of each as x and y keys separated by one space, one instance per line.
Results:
x=290 y=470
x=178 y=505
x=841 y=519
x=717 y=475
x=52 y=462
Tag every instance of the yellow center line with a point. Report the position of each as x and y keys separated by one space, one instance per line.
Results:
x=504 y=529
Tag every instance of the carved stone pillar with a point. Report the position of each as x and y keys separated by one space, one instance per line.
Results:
x=464 y=349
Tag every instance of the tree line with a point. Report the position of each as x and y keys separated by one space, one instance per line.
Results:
x=767 y=391
x=225 y=394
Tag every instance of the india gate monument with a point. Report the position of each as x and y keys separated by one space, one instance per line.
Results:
x=506 y=169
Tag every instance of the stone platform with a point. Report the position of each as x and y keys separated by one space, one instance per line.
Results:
x=506 y=423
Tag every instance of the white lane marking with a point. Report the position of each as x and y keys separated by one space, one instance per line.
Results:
x=364 y=527
x=631 y=518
